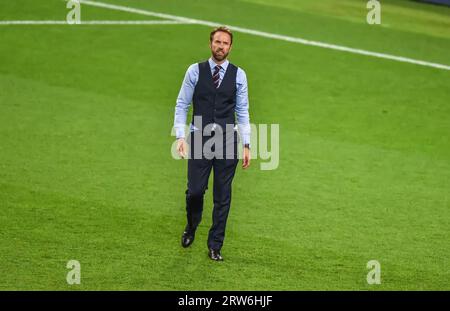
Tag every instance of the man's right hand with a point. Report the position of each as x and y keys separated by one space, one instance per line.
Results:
x=181 y=147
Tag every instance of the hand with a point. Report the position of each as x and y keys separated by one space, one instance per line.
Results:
x=181 y=147
x=246 y=158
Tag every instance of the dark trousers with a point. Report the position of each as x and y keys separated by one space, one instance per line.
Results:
x=199 y=170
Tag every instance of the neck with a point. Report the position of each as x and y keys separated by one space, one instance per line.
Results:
x=219 y=62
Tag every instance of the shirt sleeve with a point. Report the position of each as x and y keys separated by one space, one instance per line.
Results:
x=184 y=100
x=242 y=106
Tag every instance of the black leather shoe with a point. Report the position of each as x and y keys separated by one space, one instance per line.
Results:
x=215 y=255
x=187 y=239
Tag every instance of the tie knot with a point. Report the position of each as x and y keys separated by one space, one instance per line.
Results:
x=217 y=68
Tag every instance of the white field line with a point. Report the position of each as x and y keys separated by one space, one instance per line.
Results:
x=266 y=34
x=165 y=22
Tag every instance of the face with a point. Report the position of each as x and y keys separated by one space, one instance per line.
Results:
x=220 y=45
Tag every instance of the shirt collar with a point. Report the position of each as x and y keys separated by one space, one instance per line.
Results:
x=224 y=65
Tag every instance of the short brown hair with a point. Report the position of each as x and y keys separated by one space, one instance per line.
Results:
x=222 y=29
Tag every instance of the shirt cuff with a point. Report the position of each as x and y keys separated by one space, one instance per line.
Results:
x=244 y=131
x=246 y=139
x=179 y=132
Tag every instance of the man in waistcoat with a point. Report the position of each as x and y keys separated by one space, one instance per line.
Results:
x=218 y=91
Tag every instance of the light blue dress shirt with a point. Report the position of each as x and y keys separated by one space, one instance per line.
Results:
x=187 y=91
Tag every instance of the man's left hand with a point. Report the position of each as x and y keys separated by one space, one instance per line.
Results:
x=246 y=158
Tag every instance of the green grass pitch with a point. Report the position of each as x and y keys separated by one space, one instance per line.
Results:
x=86 y=172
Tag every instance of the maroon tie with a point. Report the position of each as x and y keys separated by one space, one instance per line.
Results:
x=216 y=76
